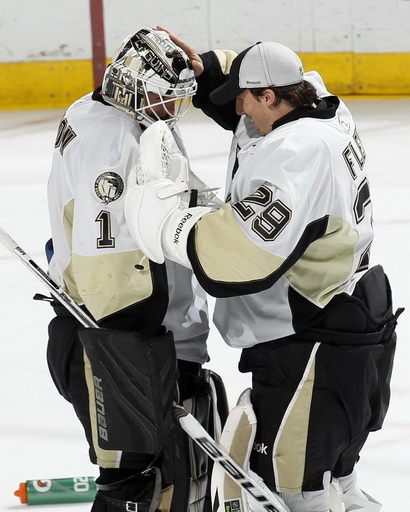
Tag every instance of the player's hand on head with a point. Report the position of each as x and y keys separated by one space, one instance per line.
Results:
x=195 y=59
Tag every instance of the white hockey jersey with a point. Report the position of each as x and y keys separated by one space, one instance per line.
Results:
x=95 y=259
x=297 y=229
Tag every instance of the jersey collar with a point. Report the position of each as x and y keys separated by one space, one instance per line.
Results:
x=96 y=96
x=325 y=109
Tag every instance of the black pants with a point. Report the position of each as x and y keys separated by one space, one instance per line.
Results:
x=316 y=404
x=318 y=394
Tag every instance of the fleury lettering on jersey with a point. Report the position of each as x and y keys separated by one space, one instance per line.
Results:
x=354 y=157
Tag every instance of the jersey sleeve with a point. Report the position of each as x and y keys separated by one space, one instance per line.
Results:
x=95 y=258
x=213 y=76
x=276 y=230
x=227 y=262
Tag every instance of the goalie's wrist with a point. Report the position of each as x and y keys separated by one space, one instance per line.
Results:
x=176 y=231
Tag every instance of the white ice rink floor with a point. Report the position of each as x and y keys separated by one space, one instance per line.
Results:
x=39 y=434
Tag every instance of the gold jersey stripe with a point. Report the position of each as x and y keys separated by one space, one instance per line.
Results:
x=327 y=262
x=108 y=283
x=289 y=453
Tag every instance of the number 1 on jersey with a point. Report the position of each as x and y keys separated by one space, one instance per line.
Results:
x=105 y=240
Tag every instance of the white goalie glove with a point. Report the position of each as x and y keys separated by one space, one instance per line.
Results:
x=159 y=157
x=157 y=201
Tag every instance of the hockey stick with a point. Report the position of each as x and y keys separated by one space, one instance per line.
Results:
x=56 y=291
x=263 y=498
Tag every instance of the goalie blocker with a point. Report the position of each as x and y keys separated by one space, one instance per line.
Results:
x=174 y=198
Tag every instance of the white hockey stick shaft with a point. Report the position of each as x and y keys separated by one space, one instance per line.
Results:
x=262 y=497
x=56 y=291
x=265 y=499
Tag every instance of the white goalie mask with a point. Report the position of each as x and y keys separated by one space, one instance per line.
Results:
x=150 y=78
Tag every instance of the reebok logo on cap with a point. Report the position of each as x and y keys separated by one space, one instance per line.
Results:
x=261 y=65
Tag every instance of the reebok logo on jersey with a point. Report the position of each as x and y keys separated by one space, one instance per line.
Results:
x=260 y=448
x=180 y=227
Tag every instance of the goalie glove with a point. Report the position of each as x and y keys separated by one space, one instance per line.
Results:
x=159 y=221
x=160 y=157
x=158 y=196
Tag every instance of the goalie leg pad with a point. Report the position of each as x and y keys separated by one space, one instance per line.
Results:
x=358 y=500
x=237 y=439
x=353 y=498
x=220 y=406
x=185 y=467
x=131 y=381
x=335 y=496
x=210 y=408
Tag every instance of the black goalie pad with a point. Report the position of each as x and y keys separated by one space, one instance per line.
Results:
x=134 y=387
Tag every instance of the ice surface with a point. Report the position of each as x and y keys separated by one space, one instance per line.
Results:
x=40 y=436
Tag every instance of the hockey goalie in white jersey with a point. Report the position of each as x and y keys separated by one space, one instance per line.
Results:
x=124 y=387
x=288 y=259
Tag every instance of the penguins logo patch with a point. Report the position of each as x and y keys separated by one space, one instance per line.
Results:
x=109 y=186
